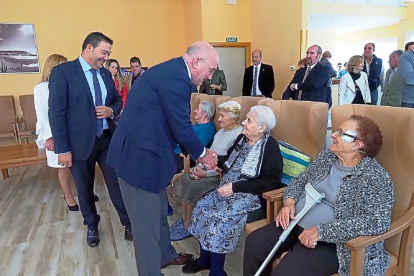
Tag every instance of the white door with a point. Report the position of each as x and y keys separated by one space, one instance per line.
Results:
x=232 y=60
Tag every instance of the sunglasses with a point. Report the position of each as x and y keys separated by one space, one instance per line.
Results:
x=348 y=136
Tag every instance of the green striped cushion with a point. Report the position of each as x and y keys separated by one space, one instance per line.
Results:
x=294 y=161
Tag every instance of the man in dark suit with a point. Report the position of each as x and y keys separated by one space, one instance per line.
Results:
x=259 y=79
x=156 y=118
x=313 y=85
x=83 y=101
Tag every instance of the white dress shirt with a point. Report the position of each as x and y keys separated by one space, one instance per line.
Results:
x=258 y=92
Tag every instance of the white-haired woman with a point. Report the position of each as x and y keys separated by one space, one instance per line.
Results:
x=253 y=165
x=204 y=128
x=198 y=182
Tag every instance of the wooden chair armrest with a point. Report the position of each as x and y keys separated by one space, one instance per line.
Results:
x=274 y=203
x=396 y=227
x=274 y=195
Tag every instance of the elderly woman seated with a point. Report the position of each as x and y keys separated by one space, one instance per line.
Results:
x=194 y=185
x=359 y=196
x=253 y=165
x=204 y=128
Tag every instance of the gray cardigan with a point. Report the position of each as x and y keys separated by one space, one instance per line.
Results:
x=363 y=207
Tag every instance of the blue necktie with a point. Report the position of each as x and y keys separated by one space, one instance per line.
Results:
x=98 y=102
x=254 y=81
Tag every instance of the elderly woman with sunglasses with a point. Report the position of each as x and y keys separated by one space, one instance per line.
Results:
x=359 y=197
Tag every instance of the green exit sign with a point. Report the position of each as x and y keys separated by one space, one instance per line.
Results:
x=231 y=39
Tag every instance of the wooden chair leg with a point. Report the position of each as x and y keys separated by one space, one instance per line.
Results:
x=5 y=173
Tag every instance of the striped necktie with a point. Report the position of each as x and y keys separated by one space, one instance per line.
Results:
x=304 y=78
x=98 y=101
x=254 y=81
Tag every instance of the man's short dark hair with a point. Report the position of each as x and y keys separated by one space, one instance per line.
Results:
x=95 y=39
x=339 y=64
x=408 y=45
x=135 y=59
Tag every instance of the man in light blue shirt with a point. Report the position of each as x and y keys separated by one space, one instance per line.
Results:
x=83 y=101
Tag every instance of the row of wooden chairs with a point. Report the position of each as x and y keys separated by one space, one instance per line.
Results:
x=304 y=124
x=13 y=127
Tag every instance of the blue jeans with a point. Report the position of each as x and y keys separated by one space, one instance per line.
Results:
x=410 y=105
x=374 y=97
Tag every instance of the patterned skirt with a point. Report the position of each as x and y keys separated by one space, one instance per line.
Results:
x=218 y=222
x=192 y=190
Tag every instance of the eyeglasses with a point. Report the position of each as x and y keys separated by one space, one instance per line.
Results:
x=211 y=70
x=350 y=135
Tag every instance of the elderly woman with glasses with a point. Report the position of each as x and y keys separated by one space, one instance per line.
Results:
x=359 y=197
x=253 y=165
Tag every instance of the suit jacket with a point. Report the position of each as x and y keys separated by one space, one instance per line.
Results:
x=298 y=77
x=266 y=80
x=156 y=118
x=315 y=86
x=392 y=92
x=72 y=113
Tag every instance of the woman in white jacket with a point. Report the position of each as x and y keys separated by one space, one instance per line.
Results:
x=41 y=96
x=354 y=87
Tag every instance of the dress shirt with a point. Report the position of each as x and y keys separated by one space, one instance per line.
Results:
x=392 y=73
x=189 y=75
x=258 y=92
x=89 y=77
x=311 y=67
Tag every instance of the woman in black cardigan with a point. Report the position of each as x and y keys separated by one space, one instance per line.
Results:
x=252 y=166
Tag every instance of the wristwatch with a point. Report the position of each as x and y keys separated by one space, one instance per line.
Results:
x=112 y=114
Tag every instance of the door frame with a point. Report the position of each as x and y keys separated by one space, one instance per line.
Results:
x=246 y=45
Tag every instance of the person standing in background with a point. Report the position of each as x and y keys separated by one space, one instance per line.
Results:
x=216 y=86
x=326 y=56
x=391 y=95
x=375 y=70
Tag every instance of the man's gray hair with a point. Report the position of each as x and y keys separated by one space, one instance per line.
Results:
x=398 y=53
x=208 y=107
x=264 y=116
x=232 y=108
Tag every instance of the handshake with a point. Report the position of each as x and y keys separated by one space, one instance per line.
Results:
x=209 y=160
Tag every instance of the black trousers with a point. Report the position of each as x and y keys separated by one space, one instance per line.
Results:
x=83 y=173
x=300 y=261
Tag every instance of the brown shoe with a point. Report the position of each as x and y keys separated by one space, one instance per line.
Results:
x=181 y=259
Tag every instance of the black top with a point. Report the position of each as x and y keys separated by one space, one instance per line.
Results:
x=134 y=78
x=358 y=95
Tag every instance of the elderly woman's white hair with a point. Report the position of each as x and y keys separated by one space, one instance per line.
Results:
x=264 y=116
x=208 y=107
x=232 y=108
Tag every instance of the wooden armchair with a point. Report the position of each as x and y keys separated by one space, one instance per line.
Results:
x=29 y=117
x=396 y=155
x=8 y=122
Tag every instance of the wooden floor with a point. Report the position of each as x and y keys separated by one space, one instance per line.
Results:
x=39 y=236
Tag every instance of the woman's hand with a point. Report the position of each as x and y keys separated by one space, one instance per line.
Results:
x=49 y=144
x=309 y=237
x=286 y=213
x=226 y=190
x=197 y=172
x=215 y=86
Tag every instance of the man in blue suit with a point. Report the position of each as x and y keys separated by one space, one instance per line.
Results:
x=83 y=101
x=313 y=86
x=157 y=117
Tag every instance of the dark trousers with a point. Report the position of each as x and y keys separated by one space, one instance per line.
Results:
x=83 y=173
x=329 y=96
x=410 y=105
x=300 y=261
x=148 y=214
x=374 y=97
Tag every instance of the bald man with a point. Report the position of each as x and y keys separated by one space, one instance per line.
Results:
x=156 y=118
x=259 y=79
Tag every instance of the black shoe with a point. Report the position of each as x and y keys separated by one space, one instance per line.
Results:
x=193 y=267
x=73 y=208
x=95 y=197
x=92 y=239
x=128 y=234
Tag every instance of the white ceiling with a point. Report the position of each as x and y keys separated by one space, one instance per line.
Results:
x=347 y=23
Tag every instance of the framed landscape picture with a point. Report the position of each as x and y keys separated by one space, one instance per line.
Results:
x=18 y=49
